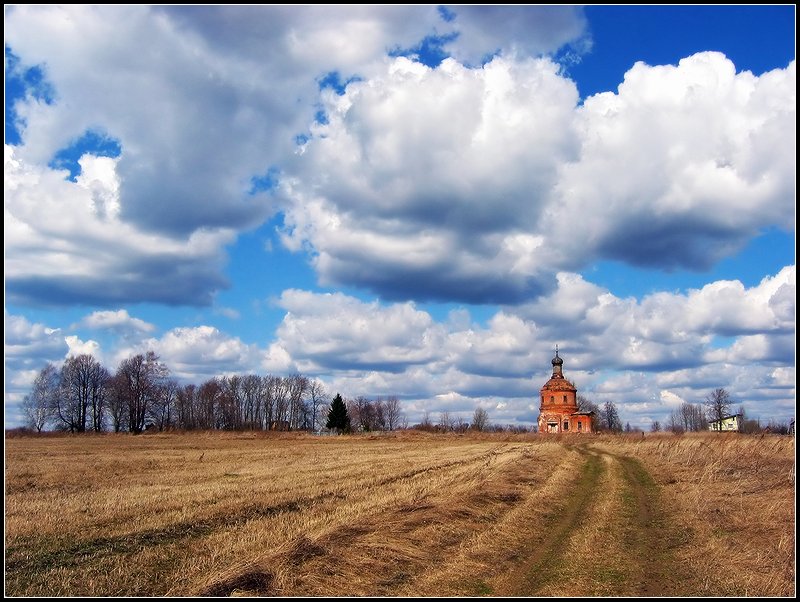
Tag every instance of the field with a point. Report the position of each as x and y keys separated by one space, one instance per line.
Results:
x=407 y=514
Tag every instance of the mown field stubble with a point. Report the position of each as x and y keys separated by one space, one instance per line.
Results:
x=399 y=514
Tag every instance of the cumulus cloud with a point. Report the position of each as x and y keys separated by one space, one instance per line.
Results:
x=467 y=181
x=31 y=342
x=29 y=346
x=670 y=399
x=204 y=103
x=66 y=243
x=482 y=179
x=681 y=166
x=487 y=29
x=617 y=350
x=76 y=346
x=335 y=331
x=479 y=184
x=376 y=349
x=429 y=183
x=201 y=352
x=118 y=321
x=668 y=330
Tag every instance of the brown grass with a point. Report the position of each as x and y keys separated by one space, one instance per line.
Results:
x=405 y=514
x=734 y=496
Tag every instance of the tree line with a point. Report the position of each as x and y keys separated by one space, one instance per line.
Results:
x=83 y=396
x=363 y=414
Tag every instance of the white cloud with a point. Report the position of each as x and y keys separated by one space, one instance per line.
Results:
x=668 y=331
x=201 y=100
x=65 y=242
x=198 y=353
x=119 y=321
x=76 y=347
x=671 y=399
x=228 y=312
x=680 y=167
x=480 y=184
x=438 y=176
x=336 y=331
x=29 y=346
x=485 y=29
x=455 y=183
x=25 y=340
x=784 y=377
x=377 y=349
x=748 y=350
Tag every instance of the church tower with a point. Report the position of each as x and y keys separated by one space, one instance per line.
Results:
x=558 y=411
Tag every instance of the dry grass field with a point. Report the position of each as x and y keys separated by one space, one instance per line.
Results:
x=406 y=514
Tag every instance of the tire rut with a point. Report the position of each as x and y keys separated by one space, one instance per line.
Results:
x=531 y=575
x=647 y=565
x=649 y=538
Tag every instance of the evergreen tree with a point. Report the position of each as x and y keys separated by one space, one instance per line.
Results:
x=337 y=416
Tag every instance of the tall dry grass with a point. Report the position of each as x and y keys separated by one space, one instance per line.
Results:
x=185 y=514
x=734 y=495
x=404 y=514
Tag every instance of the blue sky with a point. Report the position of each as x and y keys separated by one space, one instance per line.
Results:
x=417 y=201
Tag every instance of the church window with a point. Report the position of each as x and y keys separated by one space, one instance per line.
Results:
x=552 y=399
x=566 y=425
x=565 y=399
x=580 y=425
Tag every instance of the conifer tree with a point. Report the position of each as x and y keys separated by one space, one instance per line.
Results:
x=337 y=415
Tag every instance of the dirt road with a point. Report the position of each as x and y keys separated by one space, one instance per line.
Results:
x=571 y=522
x=610 y=536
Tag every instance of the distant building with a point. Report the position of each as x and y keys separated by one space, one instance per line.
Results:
x=727 y=424
x=558 y=412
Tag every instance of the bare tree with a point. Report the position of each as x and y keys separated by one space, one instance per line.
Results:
x=82 y=391
x=100 y=378
x=445 y=422
x=139 y=379
x=426 y=424
x=298 y=414
x=655 y=427
x=392 y=412
x=39 y=403
x=380 y=415
x=610 y=418
x=227 y=414
x=117 y=404
x=366 y=415
x=162 y=410
x=480 y=419
x=186 y=407
x=318 y=399
x=718 y=404
x=674 y=424
x=209 y=394
x=279 y=395
x=692 y=417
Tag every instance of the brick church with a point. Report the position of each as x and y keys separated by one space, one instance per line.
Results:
x=558 y=412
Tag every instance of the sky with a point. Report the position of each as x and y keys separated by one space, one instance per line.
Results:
x=419 y=201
